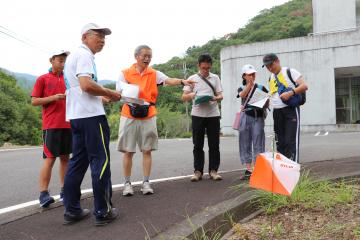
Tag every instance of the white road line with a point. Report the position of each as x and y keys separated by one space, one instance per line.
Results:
x=116 y=186
x=184 y=139
x=318 y=134
x=18 y=149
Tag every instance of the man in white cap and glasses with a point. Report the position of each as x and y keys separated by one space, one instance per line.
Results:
x=91 y=133
x=49 y=92
x=287 y=87
x=251 y=129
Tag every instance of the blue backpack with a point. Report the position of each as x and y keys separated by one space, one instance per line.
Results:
x=297 y=99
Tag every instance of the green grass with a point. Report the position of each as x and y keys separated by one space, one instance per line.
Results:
x=277 y=231
x=308 y=193
x=356 y=232
x=199 y=232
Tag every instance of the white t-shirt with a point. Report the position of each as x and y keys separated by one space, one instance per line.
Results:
x=80 y=104
x=284 y=79
x=208 y=109
x=160 y=79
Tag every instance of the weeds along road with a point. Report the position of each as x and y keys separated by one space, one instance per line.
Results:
x=20 y=167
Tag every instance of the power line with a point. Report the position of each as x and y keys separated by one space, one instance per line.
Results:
x=19 y=38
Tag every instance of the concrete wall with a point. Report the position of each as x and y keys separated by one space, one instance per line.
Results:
x=358 y=13
x=315 y=57
x=333 y=15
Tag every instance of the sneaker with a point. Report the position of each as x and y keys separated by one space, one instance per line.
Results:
x=128 y=189
x=61 y=194
x=246 y=175
x=107 y=218
x=45 y=199
x=196 y=177
x=214 y=175
x=70 y=218
x=146 y=188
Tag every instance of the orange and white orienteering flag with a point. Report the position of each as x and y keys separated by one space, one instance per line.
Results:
x=278 y=175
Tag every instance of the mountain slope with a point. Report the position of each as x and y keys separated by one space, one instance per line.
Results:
x=23 y=80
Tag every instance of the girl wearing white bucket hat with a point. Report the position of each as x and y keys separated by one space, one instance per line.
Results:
x=252 y=120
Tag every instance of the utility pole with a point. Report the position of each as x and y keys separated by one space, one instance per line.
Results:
x=187 y=103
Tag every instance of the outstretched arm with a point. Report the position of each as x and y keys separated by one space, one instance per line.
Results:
x=177 y=81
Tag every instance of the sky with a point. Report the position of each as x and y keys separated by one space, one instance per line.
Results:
x=169 y=27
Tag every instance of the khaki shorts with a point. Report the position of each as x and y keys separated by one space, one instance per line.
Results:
x=140 y=132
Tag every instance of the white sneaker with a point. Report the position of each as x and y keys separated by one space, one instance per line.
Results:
x=146 y=188
x=128 y=189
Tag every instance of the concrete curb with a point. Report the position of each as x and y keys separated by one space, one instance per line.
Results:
x=216 y=219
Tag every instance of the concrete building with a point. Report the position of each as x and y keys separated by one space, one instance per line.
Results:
x=329 y=59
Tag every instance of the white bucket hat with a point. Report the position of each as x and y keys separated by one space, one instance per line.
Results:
x=248 y=69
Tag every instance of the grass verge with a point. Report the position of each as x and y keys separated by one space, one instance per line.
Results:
x=308 y=193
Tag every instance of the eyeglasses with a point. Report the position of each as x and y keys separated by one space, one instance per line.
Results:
x=145 y=56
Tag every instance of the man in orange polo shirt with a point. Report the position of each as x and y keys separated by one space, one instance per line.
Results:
x=138 y=123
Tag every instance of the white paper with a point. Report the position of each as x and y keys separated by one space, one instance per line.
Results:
x=129 y=90
x=260 y=104
x=130 y=94
x=259 y=98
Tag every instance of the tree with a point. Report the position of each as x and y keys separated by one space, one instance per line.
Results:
x=20 y=122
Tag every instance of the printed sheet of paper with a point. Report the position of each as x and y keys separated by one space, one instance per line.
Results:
x=259 y=98
x=129 y=90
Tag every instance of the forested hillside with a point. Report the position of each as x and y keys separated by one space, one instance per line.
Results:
x=20 y=122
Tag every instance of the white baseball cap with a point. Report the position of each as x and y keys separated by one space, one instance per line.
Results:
x=59 y=52
x=93 y=26
x=248 y=69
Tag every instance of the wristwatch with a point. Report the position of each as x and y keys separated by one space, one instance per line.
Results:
x=181 y=82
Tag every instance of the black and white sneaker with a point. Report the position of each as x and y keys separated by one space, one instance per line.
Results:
x=70 y=218
x=246 y=175
x=107 y=218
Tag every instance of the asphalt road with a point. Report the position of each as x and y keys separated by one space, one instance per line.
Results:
x=20 y=167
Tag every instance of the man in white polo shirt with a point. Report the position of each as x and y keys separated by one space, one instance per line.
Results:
x=286 y=117
x=90 y=129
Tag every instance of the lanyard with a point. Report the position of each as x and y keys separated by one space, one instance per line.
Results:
x=280 y=86
x=247 y=98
